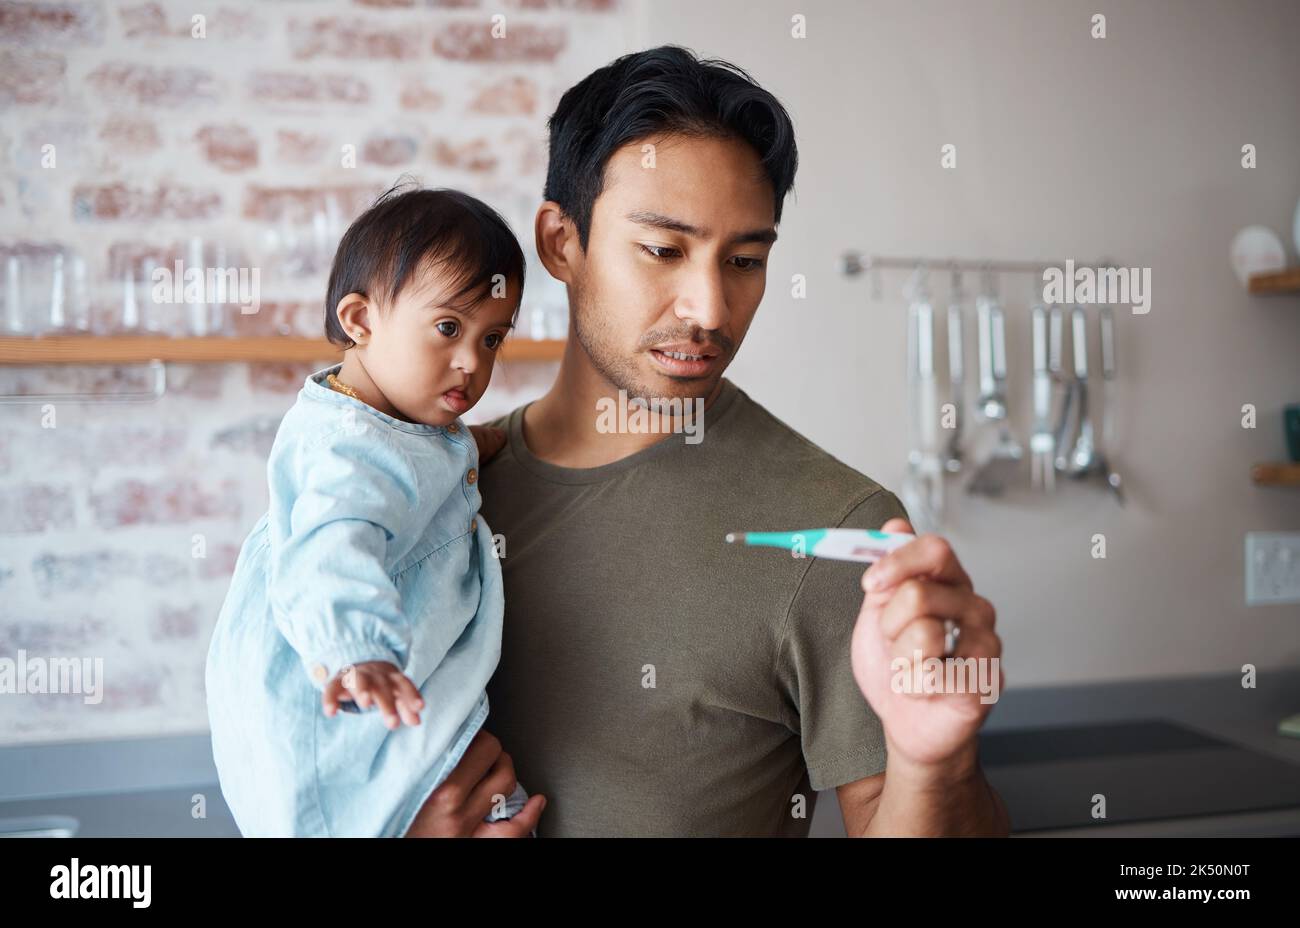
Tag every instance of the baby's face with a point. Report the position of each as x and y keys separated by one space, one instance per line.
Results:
x=432 y=358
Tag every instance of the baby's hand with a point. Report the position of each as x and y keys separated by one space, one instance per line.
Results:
x=377 y=682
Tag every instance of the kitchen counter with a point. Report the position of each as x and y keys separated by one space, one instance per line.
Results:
x=1035 y=788
x=149 y=786
x=1194 y=756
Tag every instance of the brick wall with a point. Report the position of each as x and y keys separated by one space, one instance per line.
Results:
x=241 y=137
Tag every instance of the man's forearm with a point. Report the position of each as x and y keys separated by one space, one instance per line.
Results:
x=952 y=800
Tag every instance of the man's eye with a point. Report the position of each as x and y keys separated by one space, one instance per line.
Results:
x=448 y=328
x=653 y=251
x=753 y=265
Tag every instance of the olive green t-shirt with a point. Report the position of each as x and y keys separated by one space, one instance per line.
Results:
x=655 y=680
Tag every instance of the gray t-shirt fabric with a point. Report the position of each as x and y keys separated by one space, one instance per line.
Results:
x=655 y=680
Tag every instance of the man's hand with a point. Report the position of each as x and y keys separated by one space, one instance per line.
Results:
x=489 y=440
x=458 y=807
x=909 y=595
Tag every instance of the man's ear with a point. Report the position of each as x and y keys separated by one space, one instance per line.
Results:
x=353 y=313
x=557 y=241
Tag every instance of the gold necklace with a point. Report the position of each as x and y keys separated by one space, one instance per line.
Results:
x=340 y=386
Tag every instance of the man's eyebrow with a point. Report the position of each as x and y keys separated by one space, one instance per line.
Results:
x=645 y=217
x=754 y=236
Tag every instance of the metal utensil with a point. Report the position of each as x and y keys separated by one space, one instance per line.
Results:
x=1003 y=461
x=1042 y=442
x=1083 y=457
x=932 y=461
x=1056 y=368
x=956 y=378
x=1106 y=458
x=919 y=491
x=926 y=464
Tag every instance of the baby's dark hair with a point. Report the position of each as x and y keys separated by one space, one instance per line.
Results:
x=407 y=227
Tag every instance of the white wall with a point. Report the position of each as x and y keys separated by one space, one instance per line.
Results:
x=1068 y=146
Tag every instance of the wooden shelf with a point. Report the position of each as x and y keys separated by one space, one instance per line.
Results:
x=1287 y=281
x=1279 y=474
x=532 y=349
x=134 y=349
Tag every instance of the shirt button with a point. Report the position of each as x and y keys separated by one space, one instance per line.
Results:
x=471 y=476
x=319 y=673
x=453 y=428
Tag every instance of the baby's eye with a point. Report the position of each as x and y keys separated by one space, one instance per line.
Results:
x=493 y=340
x=448 y=328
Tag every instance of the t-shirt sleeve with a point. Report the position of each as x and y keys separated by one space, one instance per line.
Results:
x=841 y=736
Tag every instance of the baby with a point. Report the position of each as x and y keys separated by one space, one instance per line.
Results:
x=371 y=583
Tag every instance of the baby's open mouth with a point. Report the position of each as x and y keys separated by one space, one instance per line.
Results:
x=457 y=399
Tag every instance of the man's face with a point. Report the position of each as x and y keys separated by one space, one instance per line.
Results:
x=676 y=264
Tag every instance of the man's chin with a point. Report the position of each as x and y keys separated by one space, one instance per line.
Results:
x=657 y=384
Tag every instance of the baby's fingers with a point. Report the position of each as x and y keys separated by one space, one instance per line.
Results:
x=382 y=694
x=329 y=698
x=409 y=700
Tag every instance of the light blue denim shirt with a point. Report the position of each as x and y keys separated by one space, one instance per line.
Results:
x=372 y=550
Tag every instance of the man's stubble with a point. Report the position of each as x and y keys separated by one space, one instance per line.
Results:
x=599 y=340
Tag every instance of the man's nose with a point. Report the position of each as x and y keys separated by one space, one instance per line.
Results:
x=703 y=300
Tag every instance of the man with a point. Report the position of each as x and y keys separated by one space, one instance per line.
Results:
x=655 y=680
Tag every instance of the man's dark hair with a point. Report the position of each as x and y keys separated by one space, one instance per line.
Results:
x=660 y=90
x=408 y=228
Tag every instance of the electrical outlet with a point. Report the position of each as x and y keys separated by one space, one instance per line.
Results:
x=1272 y=568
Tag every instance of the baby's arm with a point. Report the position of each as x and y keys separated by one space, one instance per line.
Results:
x=331 y=595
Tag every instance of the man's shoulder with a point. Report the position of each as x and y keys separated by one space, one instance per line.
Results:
x=778 y=449
x=502 y=421
x=497 y=462
x=780 y=459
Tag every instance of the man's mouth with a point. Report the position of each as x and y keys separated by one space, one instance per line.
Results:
x=685 y=360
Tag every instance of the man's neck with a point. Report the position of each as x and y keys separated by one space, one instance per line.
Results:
x=561 y=427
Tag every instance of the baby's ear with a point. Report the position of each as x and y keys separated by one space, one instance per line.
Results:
x=353 y=316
